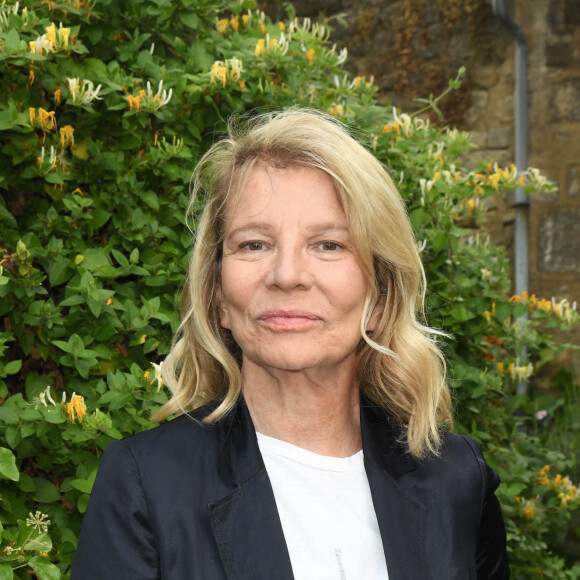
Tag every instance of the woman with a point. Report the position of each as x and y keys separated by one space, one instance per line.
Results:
x=311 y=397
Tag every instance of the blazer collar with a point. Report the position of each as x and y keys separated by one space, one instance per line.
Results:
x=246 y=523
x=401 y=517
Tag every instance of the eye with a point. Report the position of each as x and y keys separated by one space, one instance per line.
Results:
x=252 y=246
x=329 y=246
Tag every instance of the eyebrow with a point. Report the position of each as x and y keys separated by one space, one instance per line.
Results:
x=252 y=226
x=325 y=227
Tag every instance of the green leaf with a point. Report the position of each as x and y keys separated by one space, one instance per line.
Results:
x=58 y=272
x=6 y=572
x=45 y=491
x=13 y=367
x=44 y=569
x=40 y=542
x=190 y=19
x=8 y=469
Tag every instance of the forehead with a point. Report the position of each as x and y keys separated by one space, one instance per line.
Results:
x=294 y=191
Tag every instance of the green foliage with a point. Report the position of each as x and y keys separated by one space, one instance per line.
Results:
x=105 y=109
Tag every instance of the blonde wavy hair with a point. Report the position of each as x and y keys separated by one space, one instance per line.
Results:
x=399 y=364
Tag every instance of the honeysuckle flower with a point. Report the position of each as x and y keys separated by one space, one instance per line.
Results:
x=83 y=93
x=75 y=409
x=342 y=56
x=260 y=47
x=51 y=161
x=310 y=55
x=38 y=521
x=541 y=415
x=337 y=111
x=222 y=25
x=158 y=370
x=223 y=71
x=42 y=119
x=521 y=373
x=66 y=136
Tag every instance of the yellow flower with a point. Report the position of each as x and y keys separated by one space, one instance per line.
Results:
x=260 y=47
x=134 y=102
x=245 y=19
x=543 y=478
x=218 y=73
x=281 y=26
x=235 y=22
x=51 y=33
x=337 y=111
x=521 y=180
x=75 y=409
x=41 y=118
x=311 y=55
x=396 y=127
x=529 y=511
x=493 y=180
x=64 y=34
x=263 y=28
x=273 y=44
x=470 y=204
x=67 y=136
x=222 y=25
x=543 y=304
x=30 y=78
x=57 y=97
x=499 y=366
x=387 y=129
x=242 y=84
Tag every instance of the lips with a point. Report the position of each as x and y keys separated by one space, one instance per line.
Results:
x=289 y=319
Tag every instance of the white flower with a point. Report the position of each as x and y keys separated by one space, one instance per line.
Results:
x=158 y=370
x=38 y=521
x=83 y=94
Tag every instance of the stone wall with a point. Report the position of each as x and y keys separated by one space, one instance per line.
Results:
x=412 y=48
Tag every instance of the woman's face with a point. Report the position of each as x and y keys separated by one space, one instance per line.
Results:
x=292 y=290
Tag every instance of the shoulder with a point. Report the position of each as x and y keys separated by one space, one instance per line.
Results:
x=185 y=436
x=460 y=468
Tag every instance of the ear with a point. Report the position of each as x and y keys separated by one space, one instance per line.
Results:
x=222 y=306
x=376 y=313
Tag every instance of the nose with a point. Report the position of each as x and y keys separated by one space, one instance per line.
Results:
x=290 y=269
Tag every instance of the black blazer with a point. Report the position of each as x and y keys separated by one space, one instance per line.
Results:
x=186 y=501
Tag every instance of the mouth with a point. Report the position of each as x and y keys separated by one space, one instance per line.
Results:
x=289 y=319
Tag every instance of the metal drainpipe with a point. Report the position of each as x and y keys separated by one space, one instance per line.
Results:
x=521 y=201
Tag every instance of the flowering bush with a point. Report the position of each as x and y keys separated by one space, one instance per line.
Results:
x=105 y=109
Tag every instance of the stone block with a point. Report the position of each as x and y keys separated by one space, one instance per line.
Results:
x=478 y=107
x=565 y=103
x=558 y=54
x=573 y=181
x=559 y=241
x=498 y=138
x=485 y=76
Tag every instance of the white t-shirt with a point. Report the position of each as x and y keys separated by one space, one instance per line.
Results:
x=327 y=513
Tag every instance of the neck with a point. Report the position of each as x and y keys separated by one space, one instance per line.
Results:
x=298 y=407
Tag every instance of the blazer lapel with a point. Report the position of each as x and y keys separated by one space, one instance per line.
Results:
x=401 y=517
x=245 y=522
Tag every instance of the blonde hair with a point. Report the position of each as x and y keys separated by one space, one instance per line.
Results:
x=400 y=366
